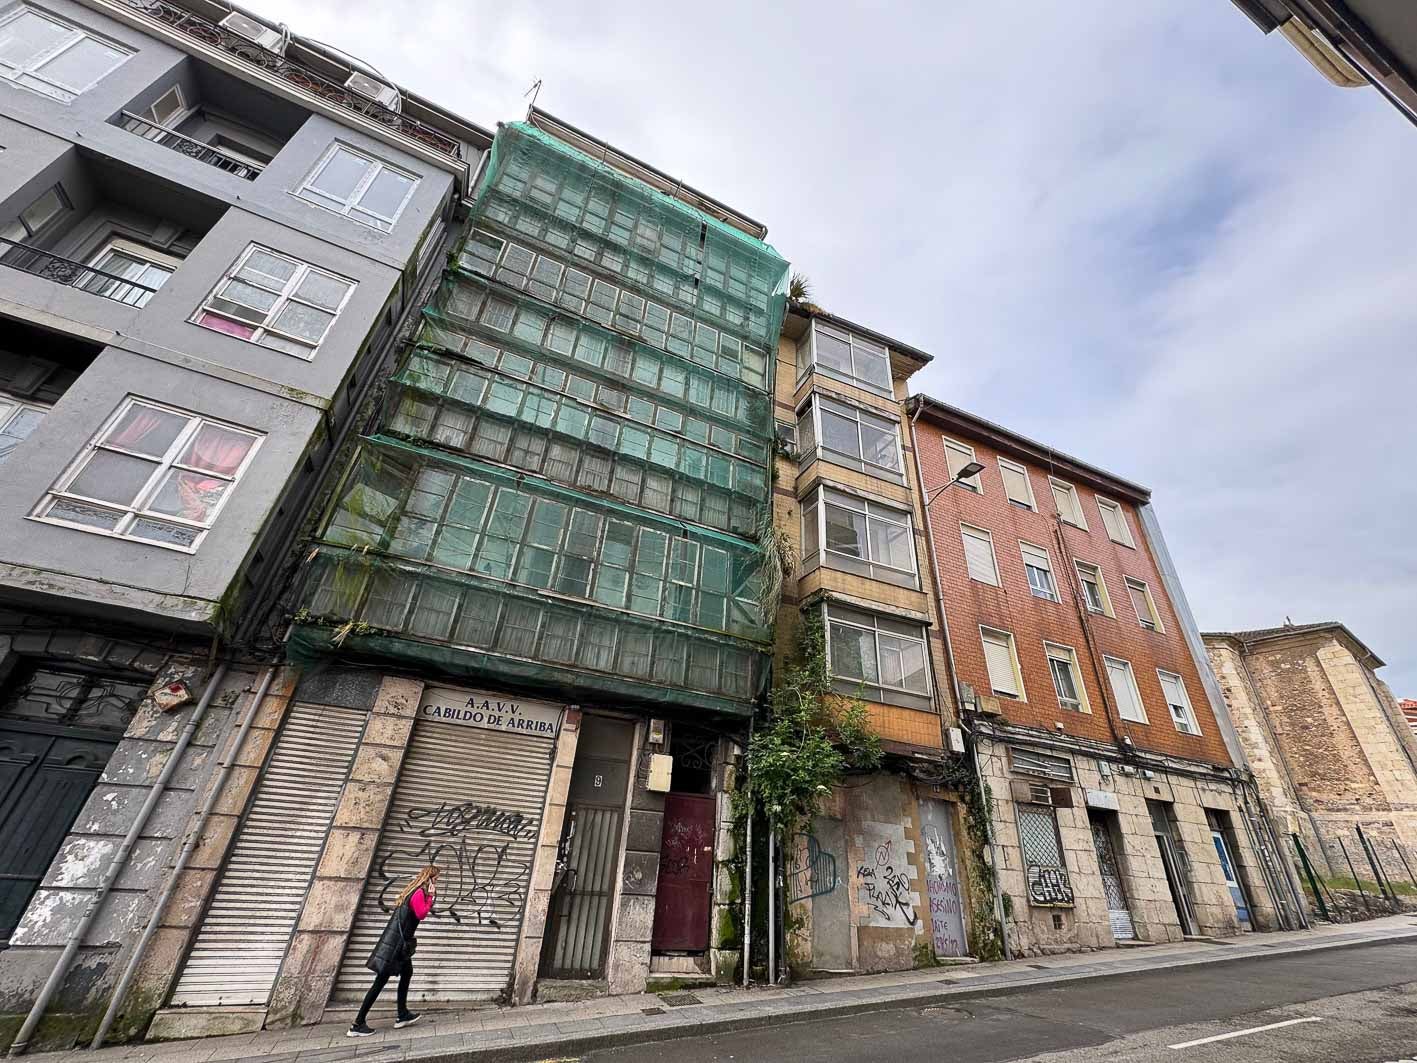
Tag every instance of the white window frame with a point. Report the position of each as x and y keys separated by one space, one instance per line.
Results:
x=1187 y=715
x=954 y=447
x=12 y=406
x=19 y=229
x=829 y=618
x=136 y=250
x=1079 y=564
x=986 y=634
x=1108 y=661
x=135 y=510
x=814 y=402
x=1132 y=583
x=867 y=347
x=964 y=531
x=1056 y=651
x=29 y=75
x=1072 y=492
x=1043 y=564
x=1031 y=502
x=177 y=117
x=284 y=297
x=1104 y=505
x=817 y=501
x=351 y=207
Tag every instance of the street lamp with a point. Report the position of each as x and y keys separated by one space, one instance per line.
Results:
x=974 y=468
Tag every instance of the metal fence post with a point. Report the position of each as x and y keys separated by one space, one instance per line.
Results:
x=1367 y=905
x=1313 y=879
x=1403 y=857
x=1379 y=875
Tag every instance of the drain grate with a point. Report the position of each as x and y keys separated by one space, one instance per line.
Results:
x=680 y=1000
x=652 y=1011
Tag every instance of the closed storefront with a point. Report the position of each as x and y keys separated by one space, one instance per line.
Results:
x=469 y=799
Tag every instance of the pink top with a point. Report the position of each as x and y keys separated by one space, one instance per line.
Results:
x=420 y=904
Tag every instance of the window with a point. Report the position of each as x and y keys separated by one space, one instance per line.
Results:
x=850 y=436
x=1039 y=571
x=1094 y=589
x=843 y=354
x=153 y=473
x=859 y=536
x=1179 y=702
x=126 y=261
x=17 y=420
x=1005 y=678
x=1032 y=762
x=367 y=190
x=1038 y=836
x=957 y=456
x=1115 y=521
x=43 y=53
x=276 y=301
x=1065 y=497
x=979 y=554
x=168 y=109
x=51 y=204
x=1067 y=678
x=1143 y=603
x=1017 y=486
x=1124 y=689
x=877 y=655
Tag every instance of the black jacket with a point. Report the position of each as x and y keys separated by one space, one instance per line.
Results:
x=396 y=944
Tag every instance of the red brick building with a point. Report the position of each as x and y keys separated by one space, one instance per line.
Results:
x=1121 y=804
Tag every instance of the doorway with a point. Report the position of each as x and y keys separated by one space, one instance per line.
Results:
x=1171 y=860
x=578 y=931
x=1222 y=835
x=1119 y=913
x=684 y=893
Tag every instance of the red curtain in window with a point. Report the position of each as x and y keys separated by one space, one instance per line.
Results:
x=138 y=425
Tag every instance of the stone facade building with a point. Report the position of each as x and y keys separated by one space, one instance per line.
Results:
x=1330 y=748
x=1121 y=807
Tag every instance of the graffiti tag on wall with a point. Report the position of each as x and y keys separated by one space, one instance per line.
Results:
x=482 y=883
x=942 y=883
x=883 y=878
x=1049 y=885
x=811 y=871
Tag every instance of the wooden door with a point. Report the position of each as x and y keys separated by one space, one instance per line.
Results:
x=681 y=903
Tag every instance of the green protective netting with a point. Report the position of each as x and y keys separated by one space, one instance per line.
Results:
x=552 y=198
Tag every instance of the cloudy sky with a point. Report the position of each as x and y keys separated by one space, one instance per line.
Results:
x=1141 y=232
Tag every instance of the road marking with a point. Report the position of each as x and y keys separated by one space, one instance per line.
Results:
x=1243 y=1033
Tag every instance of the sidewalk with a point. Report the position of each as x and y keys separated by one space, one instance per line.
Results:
x=539 y=1031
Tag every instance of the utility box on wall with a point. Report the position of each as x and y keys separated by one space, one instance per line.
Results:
x=661 y=773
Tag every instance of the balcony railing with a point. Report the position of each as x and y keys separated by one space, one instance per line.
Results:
x=75 y=274
x=195 y=149
x=209 y=33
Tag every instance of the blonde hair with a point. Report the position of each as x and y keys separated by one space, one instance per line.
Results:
x=418 y=882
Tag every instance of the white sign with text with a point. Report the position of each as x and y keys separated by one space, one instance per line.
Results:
x=495 y=712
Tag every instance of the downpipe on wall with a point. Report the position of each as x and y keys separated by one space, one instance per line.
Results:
x=114 y=868
x=115 y=1003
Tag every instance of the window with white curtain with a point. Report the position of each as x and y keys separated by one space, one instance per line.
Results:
x=1001 y=660
x=1124 y=689
x=277 y=301
x=18 y=418
x=979 y=554
x=48 y=55
x=366 y=189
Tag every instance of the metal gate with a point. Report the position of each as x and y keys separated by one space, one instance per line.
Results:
x=247 y=929
x=1118 y=914
x=469 y=800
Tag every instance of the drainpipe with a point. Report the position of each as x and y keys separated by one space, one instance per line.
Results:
x=115 y=1003
x=772 y=901
x=954 y=672
x=115 y=866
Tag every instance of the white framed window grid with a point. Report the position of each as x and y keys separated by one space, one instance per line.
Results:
x=359 y=186
x=128 y=260
x=1067 y=677
x=1124 y=688
x=1065 y=497
x=979 y=559
x=887 y=653
x=276 y=301
x=1094 y=588
x=866 y=439
x=18 y=418
x=844 y=355
x=154 y=474
x=1114 y=519
x=1173 y=687
x=48 y=55
x=1039 y=569
x=858 y=529
x=1001 y=662
x=1018 y=486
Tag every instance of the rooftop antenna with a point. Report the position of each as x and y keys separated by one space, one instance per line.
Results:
x=533 y=92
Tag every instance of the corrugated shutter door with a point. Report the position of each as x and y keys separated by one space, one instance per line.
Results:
x=979 y=556
x=247 y=929
x=1001 y=665
x=461 y=793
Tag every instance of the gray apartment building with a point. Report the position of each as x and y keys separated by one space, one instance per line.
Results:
x=211 y=234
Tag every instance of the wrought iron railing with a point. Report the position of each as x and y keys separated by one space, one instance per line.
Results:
x=208 y=32
x=75 y=274
x=195 y=149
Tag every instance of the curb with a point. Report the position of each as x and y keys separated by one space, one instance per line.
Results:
x=576 y=1044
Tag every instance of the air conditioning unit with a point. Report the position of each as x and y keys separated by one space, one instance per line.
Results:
x=1037 y=793
x=375 y=90
x=257 y=32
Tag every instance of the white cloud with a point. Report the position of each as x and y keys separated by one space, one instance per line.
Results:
x=1202 y=250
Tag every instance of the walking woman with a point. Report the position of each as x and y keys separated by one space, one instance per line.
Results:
x=393 y=952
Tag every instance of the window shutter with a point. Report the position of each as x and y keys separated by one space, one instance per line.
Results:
x=1015 y=484
x=1000 y=659
x=1141 y=604
x=1124 y=689
x=1115 y=522
x=1063 y=498
x=979 y=557
x=1036 y=557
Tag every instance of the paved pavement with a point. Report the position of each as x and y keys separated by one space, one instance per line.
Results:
x=1197 y=1014
x=561 y=1030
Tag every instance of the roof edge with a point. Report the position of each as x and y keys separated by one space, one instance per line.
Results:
x=1272 y=634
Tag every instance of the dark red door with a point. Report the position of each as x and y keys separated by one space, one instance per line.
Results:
x=681 y=904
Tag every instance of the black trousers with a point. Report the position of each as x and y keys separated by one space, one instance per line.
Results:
x=381 y=980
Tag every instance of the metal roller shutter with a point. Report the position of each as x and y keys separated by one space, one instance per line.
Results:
x=247 y=929
x=469 y=800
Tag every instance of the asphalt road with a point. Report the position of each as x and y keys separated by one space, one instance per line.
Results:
x=1358 y=1005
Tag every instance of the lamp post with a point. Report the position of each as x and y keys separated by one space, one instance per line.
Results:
x=974 y=468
